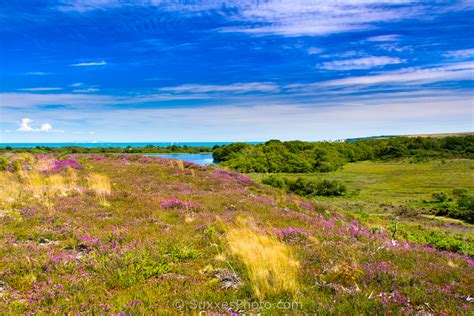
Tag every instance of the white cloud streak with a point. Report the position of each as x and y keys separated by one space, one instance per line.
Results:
x=38 y=73
x=361 y=63
x=461 y=54
x=233 y=88
x=384 y=38
x=90 y=64
x=458 y=71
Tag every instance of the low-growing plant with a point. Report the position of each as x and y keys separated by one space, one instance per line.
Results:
x=439 y=197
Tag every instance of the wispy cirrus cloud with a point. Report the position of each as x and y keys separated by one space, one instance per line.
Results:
x=315 y=50
x=38 y=73
x=233 y=88
x=384 y=38
x=86 y=90
x=310 y=18
x=456 y=71
x=361 y=63
x=284 y=17
x=461 y=53
x=90 y=64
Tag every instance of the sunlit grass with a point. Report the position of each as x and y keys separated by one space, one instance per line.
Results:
x=100 y=184
x=270 y=263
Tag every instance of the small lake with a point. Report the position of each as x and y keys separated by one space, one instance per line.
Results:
x=199 y=159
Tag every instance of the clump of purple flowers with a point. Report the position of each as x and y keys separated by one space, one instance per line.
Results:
x=175 y=203
x=292 y=234
x=228 y=177
x=61 y=165
x=379 y=270
x=307 y=206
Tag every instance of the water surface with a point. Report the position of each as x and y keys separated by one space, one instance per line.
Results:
x=199 y=159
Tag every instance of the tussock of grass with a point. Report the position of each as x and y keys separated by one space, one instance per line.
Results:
x=100 y=184
x=269 y=262
x=9 y=190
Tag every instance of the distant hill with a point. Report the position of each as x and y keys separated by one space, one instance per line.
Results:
x=413 y=135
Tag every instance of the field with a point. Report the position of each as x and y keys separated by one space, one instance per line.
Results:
x=398 y=183
x=127 y=234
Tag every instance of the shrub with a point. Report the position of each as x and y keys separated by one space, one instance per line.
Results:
x=331 y=188
x=439 y=197
x=3 y=163
x=306 y=187
x=460 y=192
x=275 y=181
x=467 y=202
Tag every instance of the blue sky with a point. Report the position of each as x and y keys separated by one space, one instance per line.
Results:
x=109 y=70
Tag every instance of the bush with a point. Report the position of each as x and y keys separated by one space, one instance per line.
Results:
x=331 y=188
x=306 y=187
x=439 y=197
x=275 y=181
x=460 y=192
x=3 y=163
x=466 y=202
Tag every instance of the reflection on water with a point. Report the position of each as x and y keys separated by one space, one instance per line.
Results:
x=200 y=159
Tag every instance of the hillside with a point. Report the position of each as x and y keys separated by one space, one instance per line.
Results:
x=124 y=233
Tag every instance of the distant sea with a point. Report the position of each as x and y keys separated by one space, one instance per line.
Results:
x=123 y=145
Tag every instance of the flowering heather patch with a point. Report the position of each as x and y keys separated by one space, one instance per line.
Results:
x=61 y=165
x=143 y=249
x=231 y=177
x=175 y=203
x=292 y=234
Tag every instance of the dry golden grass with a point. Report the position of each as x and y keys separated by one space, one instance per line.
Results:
x=10 y=190
x=270 y=263
x=99 y=184
x=33 y=183
x=180 y=165
x=28 y=183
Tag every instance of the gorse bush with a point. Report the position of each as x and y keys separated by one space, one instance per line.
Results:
x=305 y=187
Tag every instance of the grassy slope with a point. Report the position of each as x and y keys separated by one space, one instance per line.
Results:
x=141 y=252
x=384 y=188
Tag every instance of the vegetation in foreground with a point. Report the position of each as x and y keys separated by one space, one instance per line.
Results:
x=93 y=234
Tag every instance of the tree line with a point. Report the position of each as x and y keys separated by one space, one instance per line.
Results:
x=275 y=156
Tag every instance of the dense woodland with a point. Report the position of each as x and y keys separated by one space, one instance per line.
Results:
x=306 y=157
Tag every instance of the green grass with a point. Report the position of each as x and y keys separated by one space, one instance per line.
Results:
x=399 y=182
